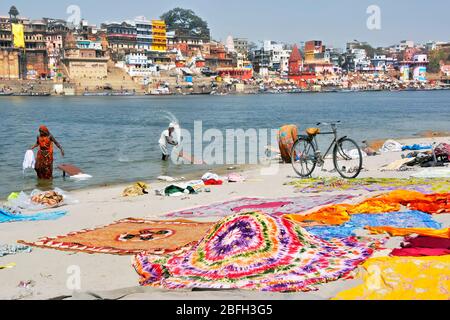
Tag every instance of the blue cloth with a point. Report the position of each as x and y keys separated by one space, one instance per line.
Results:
x=6 y=216
x=405 y=219
x=416 y=147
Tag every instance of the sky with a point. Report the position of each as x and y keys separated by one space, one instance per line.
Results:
x=291 y=21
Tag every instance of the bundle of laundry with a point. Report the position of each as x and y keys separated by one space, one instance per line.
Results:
x=179 y=189
x=137 y=189
x=235 y=177
x=420 y=146
x=442 y=152
x=210 y=179
x=391 y=146
x=39 y=200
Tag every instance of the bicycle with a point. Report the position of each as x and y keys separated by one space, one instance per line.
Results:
x=347 y=156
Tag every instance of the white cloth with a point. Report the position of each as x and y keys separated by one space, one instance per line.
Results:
x=433 y=173
x=29 y=161
x=210 y=176
x=354 y=154
x=81 y=176
x=390 y=146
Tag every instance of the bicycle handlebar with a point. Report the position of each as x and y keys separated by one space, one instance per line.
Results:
x=328 y=123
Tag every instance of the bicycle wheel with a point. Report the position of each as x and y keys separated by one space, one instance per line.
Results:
x=303 y=157
x=347 y=158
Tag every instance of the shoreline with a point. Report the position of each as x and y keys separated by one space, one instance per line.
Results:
x=195 y=174
x=102 y=94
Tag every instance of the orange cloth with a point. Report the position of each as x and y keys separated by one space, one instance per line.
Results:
x=287 y=136
x=390 y=202
x=336 y=214
x=397 y=232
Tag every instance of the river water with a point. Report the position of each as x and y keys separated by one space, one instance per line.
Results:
x=114 y=139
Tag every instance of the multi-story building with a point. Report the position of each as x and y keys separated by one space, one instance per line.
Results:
x=241 y=46
x=314 y=50
x=122 y=37
x=143 y=33
x=159 y=36
x=33 y=59
x=84 y=60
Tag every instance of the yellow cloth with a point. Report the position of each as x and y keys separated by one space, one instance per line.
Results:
x=402 y=278
x=19 y=39
x=137 y=189
x=400 y=232
x=8 y=266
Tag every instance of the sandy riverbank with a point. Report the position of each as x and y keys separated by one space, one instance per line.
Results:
x=112 y=276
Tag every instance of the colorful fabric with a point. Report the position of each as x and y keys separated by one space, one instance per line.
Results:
x=340 y=213
x=402 y=278
x=256 y=251
x=398 y=232
x=359 y=221
x=275 y=206
x=313 y=185
x=287 y=136
x=130 y=236
x=419 y=252
x=6 y=216
x=8 y=249
x=426 y=242
x=17 y=30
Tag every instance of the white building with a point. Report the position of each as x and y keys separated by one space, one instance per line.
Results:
x=403 y=45
x=279 y=57
x=137 y=59
x=138 y=65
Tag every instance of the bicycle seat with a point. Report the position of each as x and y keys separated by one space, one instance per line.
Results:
x=313 y=131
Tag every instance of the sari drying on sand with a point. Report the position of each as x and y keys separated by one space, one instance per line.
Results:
x=402 y=278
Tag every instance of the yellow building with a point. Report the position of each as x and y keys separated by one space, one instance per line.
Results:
x=159 y=36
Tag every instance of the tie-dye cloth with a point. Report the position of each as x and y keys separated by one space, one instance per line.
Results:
x=402 y=278
x=256 y=251
x=6 y=216
x=313 y=185
x=406 y=219
x=276 y=206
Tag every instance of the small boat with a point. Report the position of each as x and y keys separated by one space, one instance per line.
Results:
x=6 y=93
x=96 y=94
x=32 y=94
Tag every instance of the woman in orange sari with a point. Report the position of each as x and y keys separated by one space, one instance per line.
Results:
x=44 y=159
x=287 y=136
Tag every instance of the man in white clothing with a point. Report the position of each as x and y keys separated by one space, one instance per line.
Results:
x=165 y=139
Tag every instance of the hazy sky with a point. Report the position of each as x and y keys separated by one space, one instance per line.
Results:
x=291 y=21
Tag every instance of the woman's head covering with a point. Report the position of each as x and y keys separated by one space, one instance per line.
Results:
x=44 y=130
x=172 y=125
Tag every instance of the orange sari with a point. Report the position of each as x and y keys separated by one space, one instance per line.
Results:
x=44 y=159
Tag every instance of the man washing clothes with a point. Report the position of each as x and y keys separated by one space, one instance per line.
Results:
x=167 y=139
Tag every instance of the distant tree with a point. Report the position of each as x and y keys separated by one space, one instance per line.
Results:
x=186 y=21
x=435 y=58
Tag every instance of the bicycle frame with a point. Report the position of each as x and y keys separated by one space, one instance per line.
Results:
x=335 y=140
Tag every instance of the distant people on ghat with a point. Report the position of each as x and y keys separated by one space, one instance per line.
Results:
x=44 y=159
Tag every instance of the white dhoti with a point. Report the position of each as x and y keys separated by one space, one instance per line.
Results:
x=164 y=149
